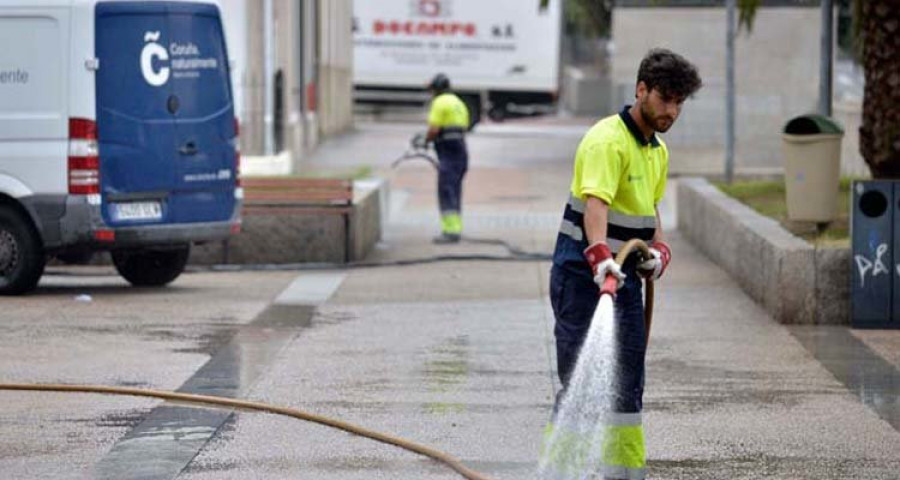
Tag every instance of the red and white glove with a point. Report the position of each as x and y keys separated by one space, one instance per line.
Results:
x=600 y=258
x=653 y=268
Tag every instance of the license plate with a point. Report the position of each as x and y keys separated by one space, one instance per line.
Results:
x=138 y=211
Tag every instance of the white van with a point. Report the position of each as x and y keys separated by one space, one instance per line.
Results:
x=117 y=132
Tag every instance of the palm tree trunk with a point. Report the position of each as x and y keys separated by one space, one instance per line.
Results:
x=879 y=135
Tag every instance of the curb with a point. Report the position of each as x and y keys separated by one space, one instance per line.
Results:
x=795 y=282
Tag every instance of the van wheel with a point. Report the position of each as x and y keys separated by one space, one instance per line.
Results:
x=151 y=268
x=22 y=258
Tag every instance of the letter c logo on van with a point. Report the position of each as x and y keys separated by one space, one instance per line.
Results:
x=153 y=50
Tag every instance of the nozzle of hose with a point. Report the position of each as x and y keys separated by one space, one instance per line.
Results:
x=610 y=285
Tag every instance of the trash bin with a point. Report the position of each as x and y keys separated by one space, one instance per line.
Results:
x=812 y=167
x=873 y=289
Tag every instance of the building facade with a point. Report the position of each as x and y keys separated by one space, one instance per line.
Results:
x=292 y=74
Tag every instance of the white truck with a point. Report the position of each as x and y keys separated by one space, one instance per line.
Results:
x=502 y=55
x=117 y=133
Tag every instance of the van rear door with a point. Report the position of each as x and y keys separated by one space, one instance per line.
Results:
x=165 y=114
x=204 y=122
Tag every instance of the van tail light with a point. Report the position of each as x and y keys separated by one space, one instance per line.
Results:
x=84 y=157
x=236 y=143
x=105 y=235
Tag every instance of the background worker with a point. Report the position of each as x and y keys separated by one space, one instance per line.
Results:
x=618 y=181
x=448 y=121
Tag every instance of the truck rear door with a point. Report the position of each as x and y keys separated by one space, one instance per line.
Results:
x=165 y=114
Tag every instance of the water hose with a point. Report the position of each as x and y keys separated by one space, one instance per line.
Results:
x=515 y=254
x=208 y=400
x=609 y=284
x=416 y=155
x=418 y=150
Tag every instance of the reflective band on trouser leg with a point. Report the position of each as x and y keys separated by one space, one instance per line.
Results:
x=565 y=454
x=624 y=456
x=451 y=222
x=457 y=223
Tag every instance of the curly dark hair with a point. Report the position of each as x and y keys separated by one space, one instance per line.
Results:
x=670 y=73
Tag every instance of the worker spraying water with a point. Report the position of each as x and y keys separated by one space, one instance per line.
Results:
x=618 y=180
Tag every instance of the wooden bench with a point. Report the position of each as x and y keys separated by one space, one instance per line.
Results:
x=297 y=196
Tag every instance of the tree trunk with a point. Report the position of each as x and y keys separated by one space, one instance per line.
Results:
x=879 y=135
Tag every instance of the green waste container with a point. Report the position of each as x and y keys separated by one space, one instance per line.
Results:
x=812 y=167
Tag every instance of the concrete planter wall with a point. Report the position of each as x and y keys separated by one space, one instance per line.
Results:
x=368 y=217
x=794 y=281
x=315 y=237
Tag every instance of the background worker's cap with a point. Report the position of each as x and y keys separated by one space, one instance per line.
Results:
x=440 y=83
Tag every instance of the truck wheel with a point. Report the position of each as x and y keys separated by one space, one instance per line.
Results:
x=151 y=268
x=22 y=258
x=497 y=113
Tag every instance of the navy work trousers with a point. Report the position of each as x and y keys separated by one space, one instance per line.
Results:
x=454 y=162
x=574 y=298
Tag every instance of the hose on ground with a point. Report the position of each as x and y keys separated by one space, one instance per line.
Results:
x=208 y=400
x=516 y=254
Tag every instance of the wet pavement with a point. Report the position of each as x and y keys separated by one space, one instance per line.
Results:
x=872 y=378
x=122 y=337
x=454 y=355
x=169 y=437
